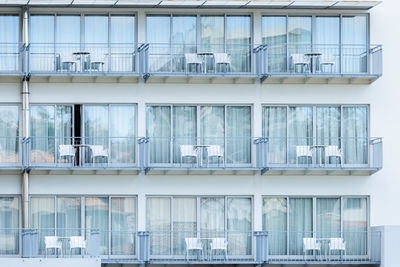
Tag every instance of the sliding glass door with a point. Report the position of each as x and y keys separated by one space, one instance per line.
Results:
x=9 y=225
x=9 y=134
x=9 y=40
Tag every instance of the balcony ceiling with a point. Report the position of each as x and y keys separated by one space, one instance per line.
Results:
x=325 y=4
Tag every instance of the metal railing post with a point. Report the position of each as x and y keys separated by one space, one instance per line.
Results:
x=261 y=246
x=143 y=246
x=94 y=242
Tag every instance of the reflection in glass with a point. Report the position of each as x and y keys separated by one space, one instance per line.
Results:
x=96 y=218
x=123 y=225
x=274 y=35
x=9 y=224
x=275 y=222
x=9 y=132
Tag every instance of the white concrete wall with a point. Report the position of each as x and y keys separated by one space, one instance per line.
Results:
x=382 y=96
x=18 y=262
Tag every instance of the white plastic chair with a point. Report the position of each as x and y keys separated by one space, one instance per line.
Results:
x=188 y=151
x=195 y=244
x=68 y=61
x=192 y=58
x=52 y=242
x=326 y=60
x=222 y=59
x=215 y=151
x=98 y=151
x=310 y=243
x=303 y=151
x=219 y=244
x=332 y=151
x=300 y=60
x=77 y=242
x=97 y=62
x=337 y=244
x=66 y=151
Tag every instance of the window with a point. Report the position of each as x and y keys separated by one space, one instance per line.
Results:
x=9 y=224
x=228 y=127
x=61 y=216
x=176 y=218
x=9 y=134
x=9 y=39
x=342 y=40
x=171 y=37
x=290 y=219
x=53 y=47
x=289 y=127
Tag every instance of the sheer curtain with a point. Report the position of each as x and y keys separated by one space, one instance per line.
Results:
x=299 y=36
x=122 y=39
x=159 y=225
x=96 y=38
x=238 y=134
x=42 y=43
x=9 y=224
x=184 y=37
x=300 y=123
x=327 y=39
x=355 y=225
x=123 y=225
x=159 y=37
x=122 y=134
x=328 y=127
x=212 y=217
x=159 y=132
x=239 y=225
x=212 y=127
x=212 y=36
x=43 y=219
x=274 y=128
x=300 y=223
x=68 y=38
x=9 y=38
x=184 y=222
x=9 y=132
x=275 y=222
x=96 y=125
x=42 y=133
x=63 y=126
x=96 y=218
x=69 y=216
x=184 y=129
x=238 y=38
x=328 y=217
x=274 y=35
x=355 y=135
x=354 y=44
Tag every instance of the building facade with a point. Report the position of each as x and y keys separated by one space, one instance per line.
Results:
x=198 y=132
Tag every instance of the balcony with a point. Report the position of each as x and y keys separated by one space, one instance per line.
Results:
x=300 y=63
x=191 y=155
x=11 y=60
x=319 y=156
x=83 y=62
x=171 y=247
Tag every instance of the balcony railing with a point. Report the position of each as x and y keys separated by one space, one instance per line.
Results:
x=10 y=58
x=196 y=247
x=241 y=155
x=334 y=153
x=76 y=59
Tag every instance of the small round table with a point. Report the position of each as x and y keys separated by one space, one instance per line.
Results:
x=204 y=55
x=313 y=56
x=82 y=56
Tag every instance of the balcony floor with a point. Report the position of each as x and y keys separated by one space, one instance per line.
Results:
x=320 y=78
x=203 y=78
x=332 y=171
x=85 y=77
x=202 y=171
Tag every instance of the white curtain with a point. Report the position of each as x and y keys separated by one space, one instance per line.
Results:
x=355 y=225
x=183 y=38
x=122 y=39
x=212 y=127
x=328 y=128
x=159 y=37
x=96 y=38
x=238 y=134
x=122 y=134
x=355 y=135
x=96 y=218
x=275 y=222
x=239 y=225
x=275 y=129
x=184 y=222
x=159 y=132
x=327 y=39
x=300 y=123
x=42 y=133
x=184 y=129
x=69 y=216
x=9 y=132
x=300 y=223
x=299 y=36
x=238 y=40
x=212 y=217
x=9 y=224
x=354 y=44
x=9 y=38
x=42 y=43
x=43 y=219
x=274 y=35
x=123 y=225
x=159 y=225
x=328 y=217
